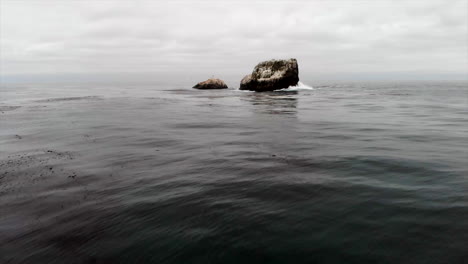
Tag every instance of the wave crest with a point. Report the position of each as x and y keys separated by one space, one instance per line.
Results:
x=300 y=86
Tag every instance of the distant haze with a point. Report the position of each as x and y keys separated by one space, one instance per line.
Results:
x=80 y=40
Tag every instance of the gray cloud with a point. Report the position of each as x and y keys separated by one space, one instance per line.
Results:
x=230 y=37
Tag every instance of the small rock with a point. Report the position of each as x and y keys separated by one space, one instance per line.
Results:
x=211 y=84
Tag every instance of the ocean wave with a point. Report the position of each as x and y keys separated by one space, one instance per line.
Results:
x=300 y=86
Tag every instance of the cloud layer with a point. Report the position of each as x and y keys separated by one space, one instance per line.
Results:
x=223 y=37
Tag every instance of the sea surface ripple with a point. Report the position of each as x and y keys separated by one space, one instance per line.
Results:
x=346 y=172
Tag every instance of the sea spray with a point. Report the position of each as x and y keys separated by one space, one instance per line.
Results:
x=300 y=86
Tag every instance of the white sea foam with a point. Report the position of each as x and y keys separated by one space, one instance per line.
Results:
x=300 y=86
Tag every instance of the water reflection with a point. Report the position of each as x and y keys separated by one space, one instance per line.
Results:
x=276 y=103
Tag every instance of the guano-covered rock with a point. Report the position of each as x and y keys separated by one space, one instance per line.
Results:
x=272 y=75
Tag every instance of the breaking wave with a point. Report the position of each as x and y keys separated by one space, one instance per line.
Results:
x=300 y=86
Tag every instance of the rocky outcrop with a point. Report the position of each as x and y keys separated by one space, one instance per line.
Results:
x=272 y=75
x=211 y=84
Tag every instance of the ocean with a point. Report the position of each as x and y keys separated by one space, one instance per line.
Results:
x=344 y=172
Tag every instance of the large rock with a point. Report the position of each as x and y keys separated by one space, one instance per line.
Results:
x=211 y=84
x=272 y=75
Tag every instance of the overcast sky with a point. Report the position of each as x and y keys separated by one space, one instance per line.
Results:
x=329 y=38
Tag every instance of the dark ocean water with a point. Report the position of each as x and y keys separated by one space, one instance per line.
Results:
x=349 y=172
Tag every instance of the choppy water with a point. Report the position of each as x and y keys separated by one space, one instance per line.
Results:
x=371 y=172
